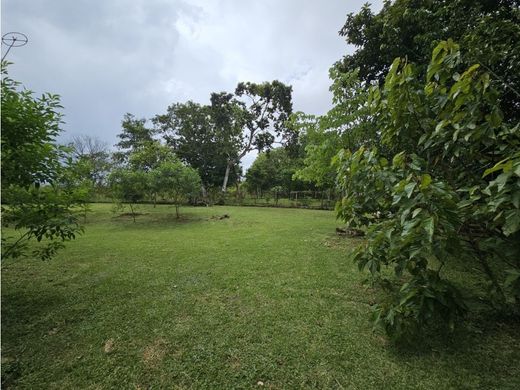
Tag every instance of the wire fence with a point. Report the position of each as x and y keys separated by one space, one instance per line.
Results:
x=323 y=200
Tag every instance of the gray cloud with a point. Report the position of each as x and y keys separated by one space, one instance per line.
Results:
x=106 y=58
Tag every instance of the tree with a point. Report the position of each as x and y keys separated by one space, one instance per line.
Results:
x=348 y=124
x=274 y=168
x=32 y=167
x=148 y=158
x=251 y=119
x=447 y=188
x=189 y=129
x=129 y=186
x=93 y=156
x=134 y=136
x=176 y=182
x=488 y=29
x=215 y=138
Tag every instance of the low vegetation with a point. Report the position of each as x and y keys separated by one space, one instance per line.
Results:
x=205 y=302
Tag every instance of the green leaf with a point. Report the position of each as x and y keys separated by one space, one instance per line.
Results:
x=429 y=225
x=426 y=179
x=505 y=165
x=495 y=118
x=512 y=222
x=515 y=199
x=398 y=160
x=409 y=189
x=501 y=180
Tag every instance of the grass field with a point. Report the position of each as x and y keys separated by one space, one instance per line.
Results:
x=266 y=298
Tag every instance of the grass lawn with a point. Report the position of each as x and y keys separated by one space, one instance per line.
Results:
x=267 y=298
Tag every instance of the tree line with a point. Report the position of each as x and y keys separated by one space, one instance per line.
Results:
x=212 y=139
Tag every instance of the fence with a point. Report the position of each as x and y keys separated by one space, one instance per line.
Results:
x=324 y=200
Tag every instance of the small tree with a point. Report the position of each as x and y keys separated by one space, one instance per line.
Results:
x=129 y=186
x=146 y=159
x=448 y=190
x=91 y=158
x=133 y=137
x=32 y=168
x=176 y=182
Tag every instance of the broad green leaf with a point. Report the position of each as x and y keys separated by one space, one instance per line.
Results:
x=428 y=225
x=512 y=222
x=426 y=179
x=409 y=189
x=498 y=166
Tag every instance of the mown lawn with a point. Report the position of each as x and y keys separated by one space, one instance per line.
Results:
x=266 y=298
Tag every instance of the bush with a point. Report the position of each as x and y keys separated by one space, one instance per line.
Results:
x=448 y=189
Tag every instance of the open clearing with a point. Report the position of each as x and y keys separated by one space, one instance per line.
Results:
x=266 y=298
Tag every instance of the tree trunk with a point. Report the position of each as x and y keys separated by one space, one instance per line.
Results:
x=237 y=194
x=204 y=194
x=132 y=209
x=226 y=176
x=177 y=210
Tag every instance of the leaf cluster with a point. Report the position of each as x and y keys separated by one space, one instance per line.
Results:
x=446 y=188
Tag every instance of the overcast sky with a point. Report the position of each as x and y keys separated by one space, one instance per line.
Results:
x=109 y=57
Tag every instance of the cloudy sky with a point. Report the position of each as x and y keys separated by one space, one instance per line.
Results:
x=109 y=57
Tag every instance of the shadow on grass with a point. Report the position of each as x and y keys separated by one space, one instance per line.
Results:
x=155 y=220
x=467 y=349
x=27 y=307
x=20 y=311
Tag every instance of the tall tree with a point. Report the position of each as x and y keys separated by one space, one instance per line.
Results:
x=488 y=29
x=189 y=129
x=252 y=119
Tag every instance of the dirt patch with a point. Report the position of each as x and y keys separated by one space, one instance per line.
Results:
x=52 y=331
x=109 y=346
x=234 y=363
x=154 y=353
x=219 y=217
x=349 y=232
x=130 y=215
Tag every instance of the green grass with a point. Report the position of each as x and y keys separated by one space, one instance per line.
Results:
x=267 y=295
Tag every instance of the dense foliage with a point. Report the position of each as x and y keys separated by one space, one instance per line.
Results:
x=176 y=182
x=428 y=140
x=153 y=171
x=275 y=169
x=189 y=129
x=347 y=125
x=452 y=192
x=35 y=201
x=214 y=138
